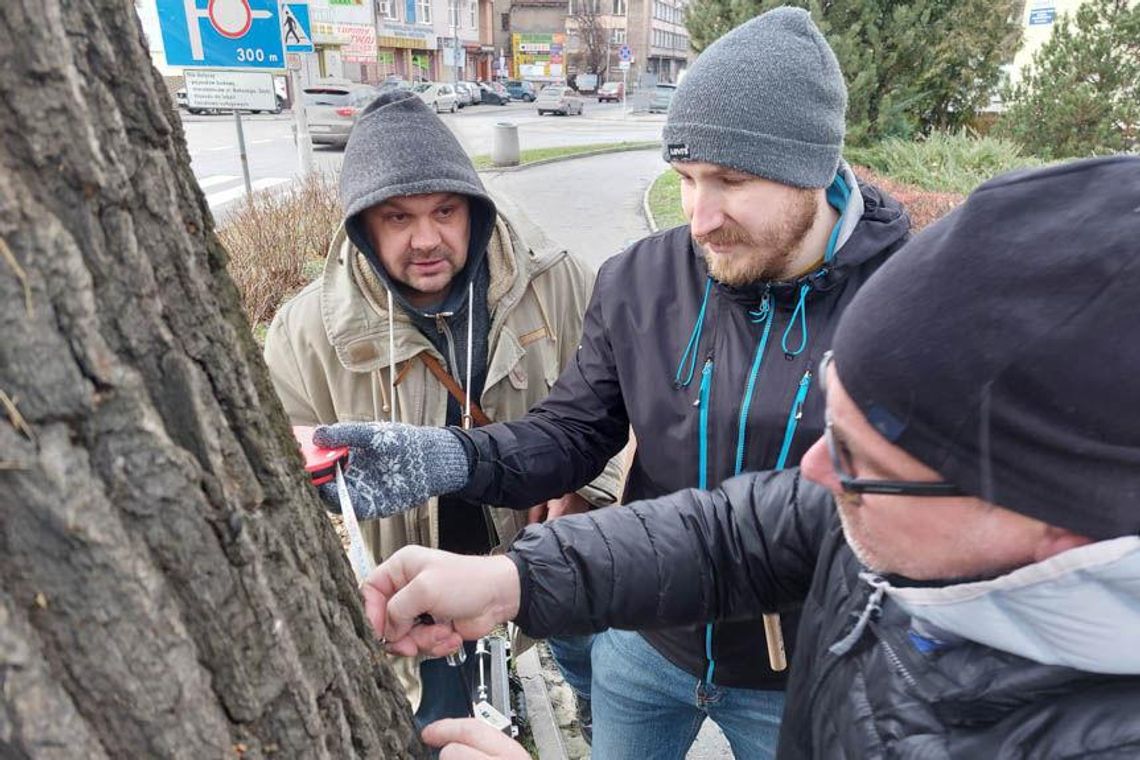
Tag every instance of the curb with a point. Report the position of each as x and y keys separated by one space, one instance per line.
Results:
x=571 y=157
x=543 y=727
x=649 y=219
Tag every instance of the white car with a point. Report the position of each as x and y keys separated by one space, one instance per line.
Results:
x=556 y=99
x=441 y=97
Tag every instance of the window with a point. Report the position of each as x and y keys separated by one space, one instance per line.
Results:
x=618 y=8
x=453 y=13
x=423 y=11
x=387 y=9
x=505 y=21
x=474 y=8
x=617 y=36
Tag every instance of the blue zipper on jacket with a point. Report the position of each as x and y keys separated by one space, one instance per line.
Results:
x=797 y=411
x=703 y=477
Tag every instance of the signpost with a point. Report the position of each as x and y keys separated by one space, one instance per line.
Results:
x=297 y=34
x=625 y=58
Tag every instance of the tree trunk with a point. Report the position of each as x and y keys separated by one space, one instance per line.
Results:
x=169 y=584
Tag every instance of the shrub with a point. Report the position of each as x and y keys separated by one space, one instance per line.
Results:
x=943 y=162
x=277 y=239
x=1080 y=95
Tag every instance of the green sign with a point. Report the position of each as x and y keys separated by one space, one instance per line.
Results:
x=387 y=56
x=420 y=61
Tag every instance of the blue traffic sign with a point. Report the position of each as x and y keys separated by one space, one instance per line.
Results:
x=296 y=28
x=624 y=53
x=222 y=34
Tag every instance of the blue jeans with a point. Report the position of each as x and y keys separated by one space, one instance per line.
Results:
x=572 y=654
x=646 y=707
x=446 y=690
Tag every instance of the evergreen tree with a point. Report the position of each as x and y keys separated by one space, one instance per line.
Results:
x=911 y=66
x=1081 y=93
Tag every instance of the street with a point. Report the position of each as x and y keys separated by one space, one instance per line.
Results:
x=272 y=153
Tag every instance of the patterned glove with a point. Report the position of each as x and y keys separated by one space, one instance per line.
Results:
x=394 y=467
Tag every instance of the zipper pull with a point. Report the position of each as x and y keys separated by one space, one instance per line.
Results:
x=705 y=372
x=802 y=394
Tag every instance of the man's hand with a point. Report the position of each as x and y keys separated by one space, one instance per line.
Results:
x=465 y=596
x=471 y=739
x=394 y=467
x=570 y=504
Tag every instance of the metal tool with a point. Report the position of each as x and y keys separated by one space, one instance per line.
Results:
x=324 y=466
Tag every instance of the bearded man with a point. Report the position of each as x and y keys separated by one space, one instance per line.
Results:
x=703 y=339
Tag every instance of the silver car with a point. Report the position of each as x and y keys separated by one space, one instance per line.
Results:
x=332 y=107
x=662 y=97
x=557 y=99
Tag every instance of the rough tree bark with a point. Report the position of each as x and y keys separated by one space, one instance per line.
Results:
x=169 y=585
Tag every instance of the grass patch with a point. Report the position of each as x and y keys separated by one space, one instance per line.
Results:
x=542 y=154
x=943 y=162
x=929 y=176
x=665 y=200
x=277 y=241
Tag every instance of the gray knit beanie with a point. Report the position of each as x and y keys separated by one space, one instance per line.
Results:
x=399 y=147
x=767 y=98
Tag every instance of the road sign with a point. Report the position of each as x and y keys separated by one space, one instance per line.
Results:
x=623 y=65
x=230 y=90
x=222 y=34
x=295 y=28
x=625 y=54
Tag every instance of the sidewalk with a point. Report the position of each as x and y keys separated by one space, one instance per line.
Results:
x=593 y=206
x=590 y=205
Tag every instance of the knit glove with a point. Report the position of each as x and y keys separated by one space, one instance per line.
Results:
x=393 y=467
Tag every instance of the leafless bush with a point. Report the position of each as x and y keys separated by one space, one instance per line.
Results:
x=276 y=239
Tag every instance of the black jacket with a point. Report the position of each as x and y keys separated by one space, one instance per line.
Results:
x=629 y=371
x=767 y=539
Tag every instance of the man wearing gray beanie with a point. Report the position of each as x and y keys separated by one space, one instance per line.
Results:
x=703 y=339
x=429 y=293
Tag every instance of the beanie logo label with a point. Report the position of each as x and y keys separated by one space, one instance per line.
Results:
x=678 y=150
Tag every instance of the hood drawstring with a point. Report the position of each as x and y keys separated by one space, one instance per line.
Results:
x=873 y=607
x=798 y=315
x=691 y=350
x=392 y=354
x=467 y=425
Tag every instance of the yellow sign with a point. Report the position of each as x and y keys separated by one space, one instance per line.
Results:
x=402 y=42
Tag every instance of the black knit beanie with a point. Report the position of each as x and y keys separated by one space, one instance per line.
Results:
x=1001 y=346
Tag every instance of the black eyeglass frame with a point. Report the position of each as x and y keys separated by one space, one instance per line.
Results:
x=852 y=484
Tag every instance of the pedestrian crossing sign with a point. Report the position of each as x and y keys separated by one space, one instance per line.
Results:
x=295 y=28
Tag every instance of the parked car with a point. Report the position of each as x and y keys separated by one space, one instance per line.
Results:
x=662 y=97
x=440 y=96
x=463 y=94
x=611 y=91
x=333 y=107
x=521 y=91
x=489 y=94
x=393 y=82
x=558 y=99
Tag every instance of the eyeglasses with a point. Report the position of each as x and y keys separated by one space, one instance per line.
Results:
x=841 y=458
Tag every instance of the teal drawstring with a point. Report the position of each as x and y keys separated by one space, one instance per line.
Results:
x=691 y=350
x=800 y=314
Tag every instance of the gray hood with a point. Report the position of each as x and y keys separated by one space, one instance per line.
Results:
x=1079 y=609
x=399 y=147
